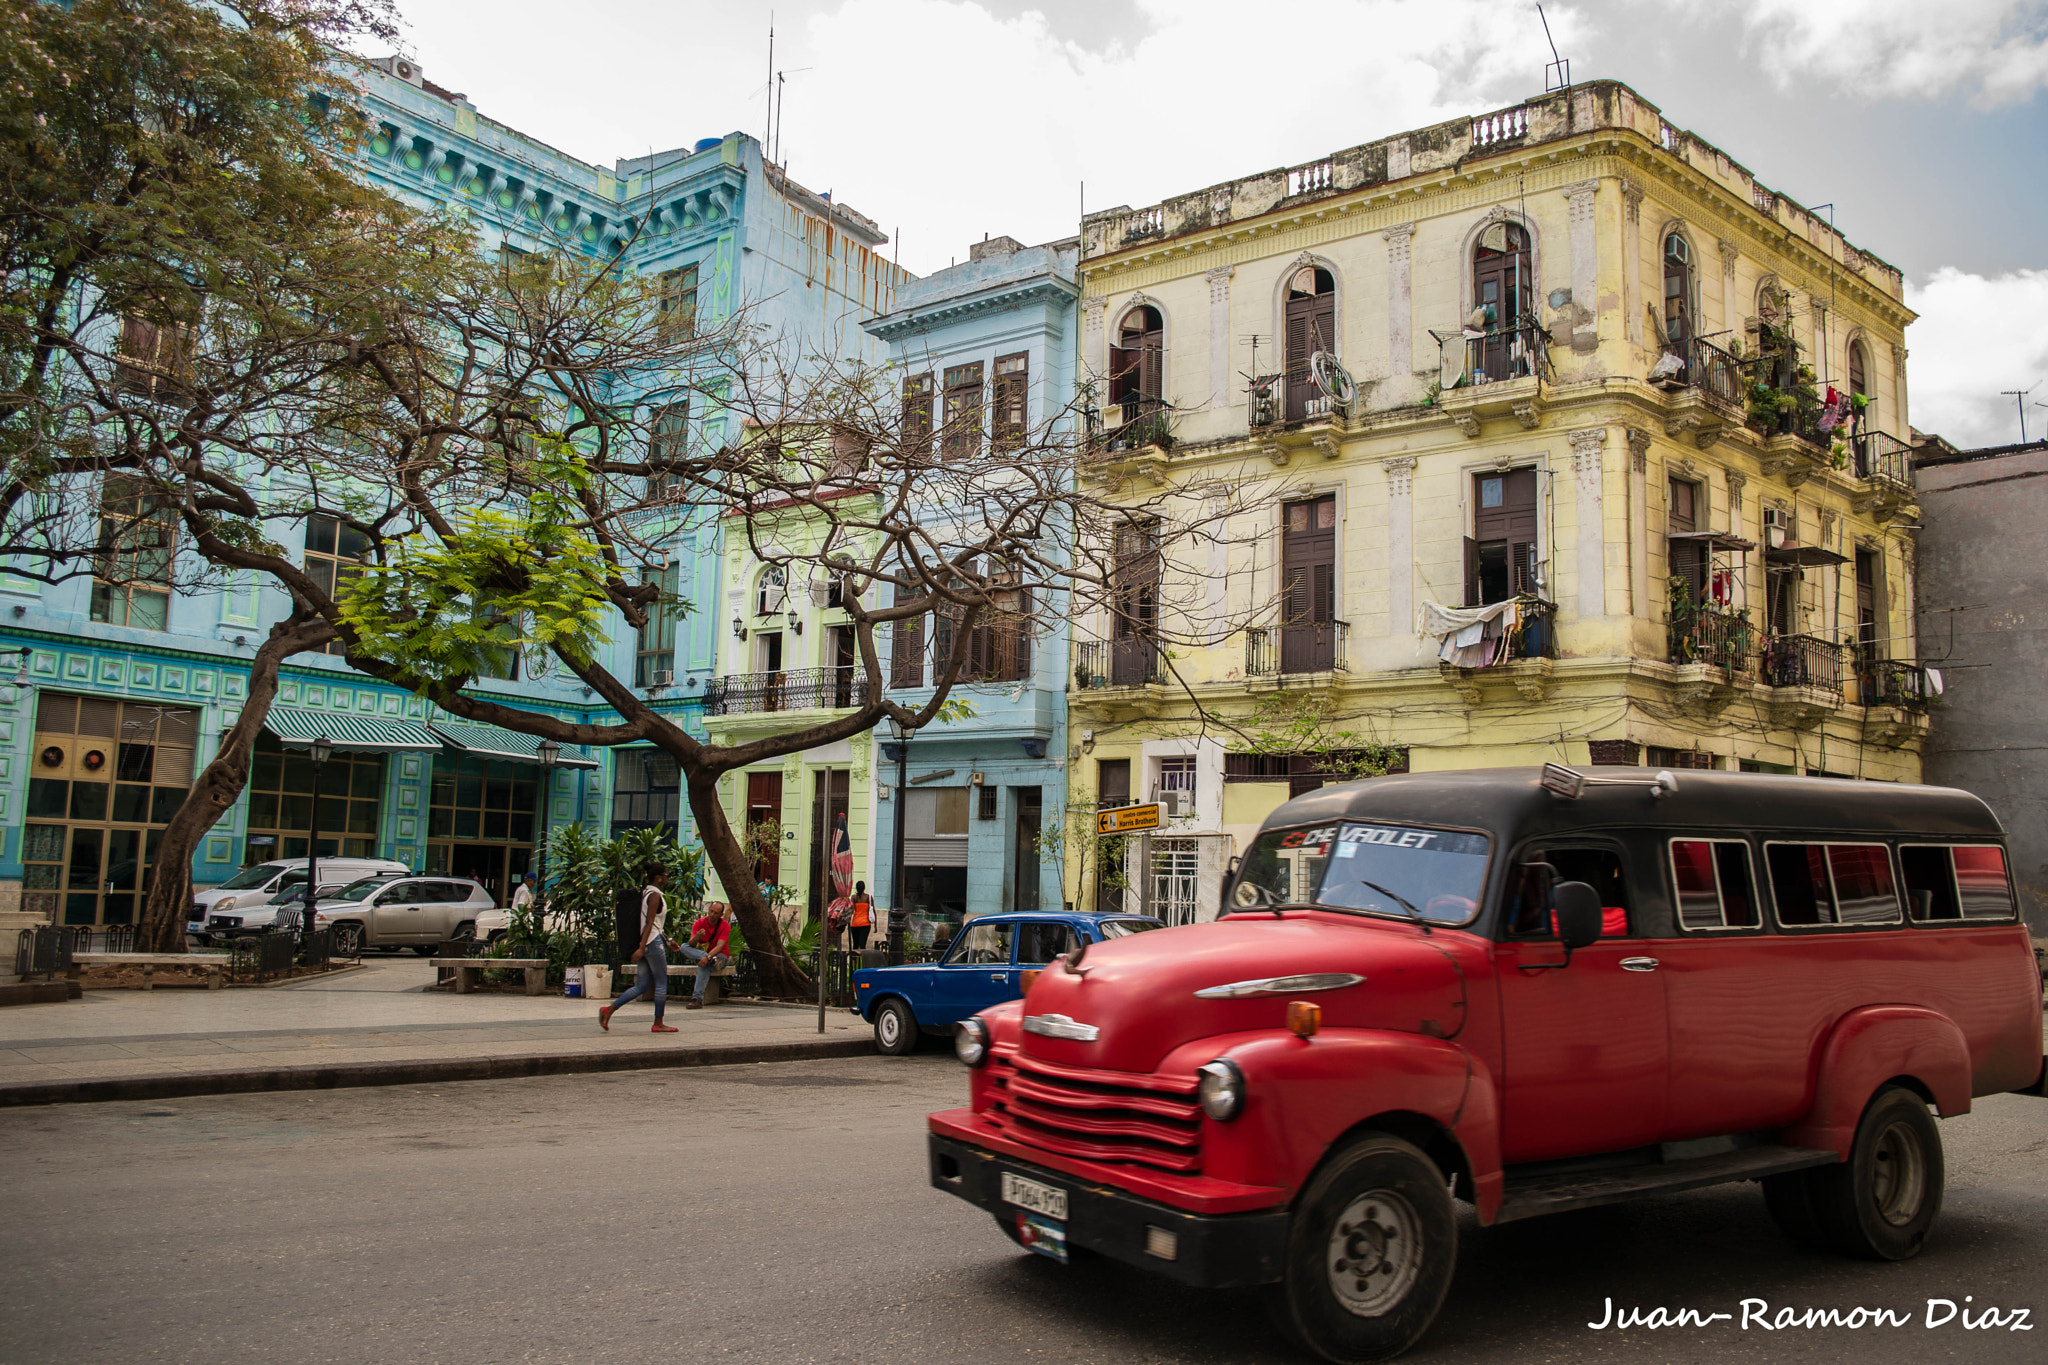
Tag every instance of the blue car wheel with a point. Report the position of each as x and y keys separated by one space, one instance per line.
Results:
x=895 y=1028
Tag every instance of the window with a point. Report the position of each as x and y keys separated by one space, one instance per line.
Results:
x=647 y=787
x=999 y=650
x=906 y=645
x=1816 y=884
x=1112 y=782
x=1308 y=592
x=1946 y=883
x=132 y=565
x=500 y=660
x=1043 y=943
x=1500 y=554
x=334 y=559
x=1136 y=369
x=155 y=359
x=1311 y=324
x=281 y=803
x=1134 y=605
x=1859 y=383
x=1678 y=760
x=656 y=652
x=1715 y=890
x=1531 y=884
x=1688 y=559
x=935 y=812
x=1304 y=773
x=1678 y=293
x=1178 y=775
x=985 y=802
x=982 y=945
x=917 y=414
x=666 y=444
x=522 y=270
x=676 y=304
x=771 y=594
x=1012 y=398
x=1503 y=298
x=961 y=437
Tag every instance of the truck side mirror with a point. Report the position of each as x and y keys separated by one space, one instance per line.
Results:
x=1576 y=907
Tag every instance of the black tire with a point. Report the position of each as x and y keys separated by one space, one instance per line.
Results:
x=896 y=1032
x=427 y=949
x=1382 y=1205
x=348 y=940
x=1789 y=1197
x=465 y=930
x=1880 y=1204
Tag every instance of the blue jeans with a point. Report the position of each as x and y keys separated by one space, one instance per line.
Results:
x=652 y=979
x=707 y=965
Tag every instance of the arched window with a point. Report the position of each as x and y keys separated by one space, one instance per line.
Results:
x=774 y=592
x=1136 y=367
x=1503 y=301
x=1311 y=327
x=1678 y=294
x=1859 y=380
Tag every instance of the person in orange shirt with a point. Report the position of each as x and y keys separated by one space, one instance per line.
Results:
x=863 y=914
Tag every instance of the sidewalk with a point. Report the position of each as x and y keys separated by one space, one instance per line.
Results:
x=376 y=1026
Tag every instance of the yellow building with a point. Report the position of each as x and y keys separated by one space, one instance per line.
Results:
x=1544 y=397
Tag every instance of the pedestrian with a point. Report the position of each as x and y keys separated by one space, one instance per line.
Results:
x=652 y=956
x=863 y=915
x=709 y=948
x=522 y=895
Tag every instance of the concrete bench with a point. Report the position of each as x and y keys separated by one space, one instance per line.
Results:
x=466 y=968
x=713 y=993
x=215 y=965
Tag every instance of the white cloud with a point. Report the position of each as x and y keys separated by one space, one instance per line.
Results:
x=1976 y=337
x=1997 y=50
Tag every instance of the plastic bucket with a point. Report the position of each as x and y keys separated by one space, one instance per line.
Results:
x=572 y=982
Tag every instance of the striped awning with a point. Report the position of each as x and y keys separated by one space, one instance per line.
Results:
x=494 y=741
x=296 y=728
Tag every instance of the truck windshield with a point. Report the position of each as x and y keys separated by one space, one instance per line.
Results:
x=1432 y=874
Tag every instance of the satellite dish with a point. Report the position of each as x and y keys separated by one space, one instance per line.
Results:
x=1333 y=379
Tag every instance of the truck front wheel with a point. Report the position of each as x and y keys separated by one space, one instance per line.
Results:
x=1370 y=1254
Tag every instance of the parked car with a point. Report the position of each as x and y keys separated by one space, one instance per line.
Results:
x=245 y=903
x=419 y=913
x=983 y=967
x=494 y=924
x=1531 y=991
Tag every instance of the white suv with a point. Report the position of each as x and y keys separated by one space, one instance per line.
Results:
x=404 y=912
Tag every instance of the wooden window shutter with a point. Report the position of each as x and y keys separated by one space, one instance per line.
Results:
x=917 y=414
x=1522 y=566
x=1013 y=386
x=1881 y=606
x=906 y=650
x=1471 y=572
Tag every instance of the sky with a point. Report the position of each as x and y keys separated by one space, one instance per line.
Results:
x=947 y=120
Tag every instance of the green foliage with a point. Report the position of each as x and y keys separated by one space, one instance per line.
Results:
x=1288 y=724
x=586 y=874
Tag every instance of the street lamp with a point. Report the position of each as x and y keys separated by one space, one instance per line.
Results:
x=549 y=753
x=898 y=916
x=321 y=749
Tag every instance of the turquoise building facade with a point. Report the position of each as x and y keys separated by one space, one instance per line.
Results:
x=121 y=695
x=983 y=799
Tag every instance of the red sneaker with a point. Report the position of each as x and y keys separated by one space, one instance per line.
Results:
x=662 y=1028
x=604 y=1017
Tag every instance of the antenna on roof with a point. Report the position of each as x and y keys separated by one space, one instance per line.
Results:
x=1558 y=75
x=2019 y=396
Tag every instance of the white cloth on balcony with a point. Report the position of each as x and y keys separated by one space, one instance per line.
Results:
x=1471 y=637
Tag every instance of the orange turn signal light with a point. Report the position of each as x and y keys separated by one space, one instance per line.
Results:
x=1304 y=1018
x=1026 y=979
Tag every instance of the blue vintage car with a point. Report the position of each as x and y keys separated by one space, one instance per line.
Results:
x=983 y=967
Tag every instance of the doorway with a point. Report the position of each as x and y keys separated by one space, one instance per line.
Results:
x=764 y=825
x=831 y=842
x=1030 y=804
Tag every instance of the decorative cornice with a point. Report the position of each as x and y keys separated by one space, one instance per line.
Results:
x=1004 y=298
x=1586 y=445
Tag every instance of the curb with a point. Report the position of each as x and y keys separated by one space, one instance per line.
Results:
x=434 y=1071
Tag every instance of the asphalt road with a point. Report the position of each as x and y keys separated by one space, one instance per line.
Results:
x=778 y=1213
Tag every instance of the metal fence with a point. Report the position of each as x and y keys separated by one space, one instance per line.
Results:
x=1894 y=682
x=1884 y=458
x=1803 y=661
x=1132 y=661
x=1709 y=635
x=1311 y=647
x=795 y=689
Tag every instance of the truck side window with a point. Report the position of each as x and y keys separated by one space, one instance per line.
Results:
x=1930 y=882
x=1714 y=886
x=1961 y=882
x=1600 y=868
x=1833 y=883
x=1044 y=942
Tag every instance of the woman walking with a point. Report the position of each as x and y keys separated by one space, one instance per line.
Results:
x=652 y=955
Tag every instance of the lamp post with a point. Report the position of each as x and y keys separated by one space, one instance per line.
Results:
x=321 y=749
x=898 y=915
x=549 y=753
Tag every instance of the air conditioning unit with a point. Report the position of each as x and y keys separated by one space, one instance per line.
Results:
x=1174 y=804
x=1779 y=528
x=664 y=677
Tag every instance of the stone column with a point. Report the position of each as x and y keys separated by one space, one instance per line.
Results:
x=1400 y=544
x=1592 y=531
x=1400 y=300
x=1639 y=521
x=1632 y=258
x=1585 y=313
x=1898 y=414
x=1219 y=336
x=1732 y=311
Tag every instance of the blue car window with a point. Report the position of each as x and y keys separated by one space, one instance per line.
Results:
x=983 y=945
x=1041 y=943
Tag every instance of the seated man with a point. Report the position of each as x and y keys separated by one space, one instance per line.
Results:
x=709 y=948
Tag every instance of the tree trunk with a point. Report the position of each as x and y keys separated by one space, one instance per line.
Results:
x=780 y=975
x=218 y=787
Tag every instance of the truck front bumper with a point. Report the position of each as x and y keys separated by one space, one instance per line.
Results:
x=1225 y=1251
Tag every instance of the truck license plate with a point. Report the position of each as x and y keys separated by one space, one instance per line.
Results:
x=1030 y=1194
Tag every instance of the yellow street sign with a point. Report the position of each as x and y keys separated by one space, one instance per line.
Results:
x=1127 y=819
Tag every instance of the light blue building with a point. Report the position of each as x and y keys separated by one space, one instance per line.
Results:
x=124 y=691
x=994 y=334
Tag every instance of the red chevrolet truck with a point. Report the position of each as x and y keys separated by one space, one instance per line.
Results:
x=1529 y=990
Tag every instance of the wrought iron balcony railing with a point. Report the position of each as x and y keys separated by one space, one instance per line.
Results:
x=1129 y=661
x=1516 y=351
x=1803 y=661
x=1893 y=682
x=1711 y=635
x=1129 y=426
x=1883 y=458
x=1311 y=647
x=797 y=689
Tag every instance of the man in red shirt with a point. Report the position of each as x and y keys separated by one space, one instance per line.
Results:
x=709 y=948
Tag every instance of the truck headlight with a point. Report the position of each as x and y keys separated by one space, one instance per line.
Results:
x=970 y=1042
x=1221 y=1089
x=224 y=904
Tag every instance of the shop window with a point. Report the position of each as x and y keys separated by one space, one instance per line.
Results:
x=281 y=803
x=1715 y=890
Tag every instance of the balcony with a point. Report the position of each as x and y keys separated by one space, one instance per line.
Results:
x=800 y=689
x=1495 y=373
x=1525 y=654
x=1885 y=465
x=1131 y=661
x=1707 y=387
x=1804 y=673
x=1711 y=636
x=1312 y=647
x=1893 y=682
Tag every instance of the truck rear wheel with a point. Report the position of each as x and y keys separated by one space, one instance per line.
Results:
x=1881 y=1202
x=1369 y=1254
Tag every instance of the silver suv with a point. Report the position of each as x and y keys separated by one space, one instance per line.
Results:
x=419 y=913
